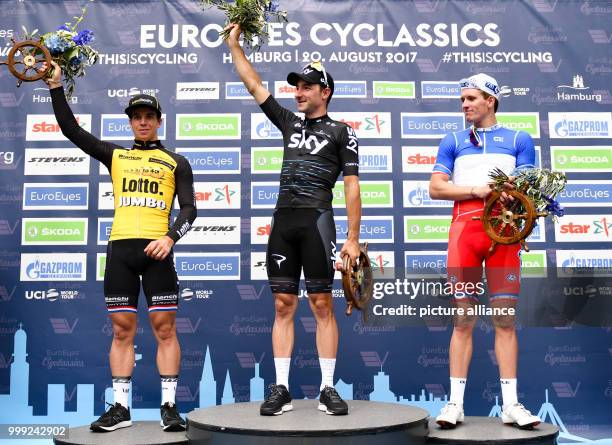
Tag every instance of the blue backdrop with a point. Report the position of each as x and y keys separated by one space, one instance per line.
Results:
x=396 y=66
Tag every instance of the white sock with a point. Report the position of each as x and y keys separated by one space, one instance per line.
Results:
x=121 y=390
x=328 y=365
x=281 y=364
x=457 y=385
x=168 y=387
x=508 y=387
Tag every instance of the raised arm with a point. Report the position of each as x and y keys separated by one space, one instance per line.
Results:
x=100 y=150
x=245 y=70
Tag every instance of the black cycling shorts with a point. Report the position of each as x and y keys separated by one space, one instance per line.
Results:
x=126 y=262
x=301 y=238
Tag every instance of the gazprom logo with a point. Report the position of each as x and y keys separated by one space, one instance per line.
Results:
x=375 y=159
x=374 y=229
x=584 y=263
x=263 y=128
x=416 y=194
x=53 y=267
x=264 y=195
x=116 y=127
x=579 y=125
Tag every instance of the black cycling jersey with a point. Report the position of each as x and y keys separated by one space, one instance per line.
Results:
x=315 y=152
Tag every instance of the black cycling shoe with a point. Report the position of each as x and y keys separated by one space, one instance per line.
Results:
x=171 y=420
x=117 y=416
x=278 y=401
x=331 y=403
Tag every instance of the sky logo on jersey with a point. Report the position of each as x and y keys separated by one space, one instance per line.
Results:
x=266 y=160
x=527 y=122
x=587 y=194
x=416 y=194
x=264 y=195
x=53 y=231
x=429 y=263
x=105 y=226
x=263 y=128
x=208 y=231
x=55 y=161
x=431 y=125
x=375 y=159
x=216 y=195
x=373 y=194
x=432 y=89
x=207 y=266
x=582 y=159
x=366 y=125
x=116 y=127
x=208 y=126
x=197 y=90
x=426 y=229
x=49 y=196
x=374 y=229
x=100 y=266
x=53 y=267
x=350 y=89
x=584 y=228
x=237 y=90
x=584 y=263
x=208 y=161
x=579 y=125
x=533 y=264
x=392 y=90
x=44 y=127
x=418 y=159
x=261 y=226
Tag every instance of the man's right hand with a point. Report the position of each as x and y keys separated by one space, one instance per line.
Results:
x=56 y=79
x=481 y=191
x=234 y=35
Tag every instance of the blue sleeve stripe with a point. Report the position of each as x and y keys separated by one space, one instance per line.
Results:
x=437 y=167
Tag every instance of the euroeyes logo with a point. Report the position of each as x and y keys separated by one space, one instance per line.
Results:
x=116 y=127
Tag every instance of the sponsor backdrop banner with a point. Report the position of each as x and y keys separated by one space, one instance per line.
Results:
x=396 y=66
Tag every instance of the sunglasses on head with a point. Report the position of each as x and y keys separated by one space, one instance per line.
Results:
x=318 y=66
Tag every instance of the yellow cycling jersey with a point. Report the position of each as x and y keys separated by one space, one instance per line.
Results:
x=143 y=190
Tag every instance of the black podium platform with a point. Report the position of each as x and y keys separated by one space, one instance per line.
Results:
x=241 y=423
x=491 y=431
x=140 y=433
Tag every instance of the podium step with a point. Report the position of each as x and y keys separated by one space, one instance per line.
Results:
x=140 y=433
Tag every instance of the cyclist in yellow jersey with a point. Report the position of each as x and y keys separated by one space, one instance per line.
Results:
x=145 y=178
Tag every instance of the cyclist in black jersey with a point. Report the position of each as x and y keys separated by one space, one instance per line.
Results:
x=303 y=235
x=145 y=181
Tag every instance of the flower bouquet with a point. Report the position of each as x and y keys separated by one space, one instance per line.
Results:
x=69 y=48
x=253 y=16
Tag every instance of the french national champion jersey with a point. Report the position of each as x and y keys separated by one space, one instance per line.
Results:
x=469 y=165
x=315 y=152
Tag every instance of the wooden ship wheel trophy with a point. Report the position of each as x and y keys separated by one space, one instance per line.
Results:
x=511 y=220
x=25 y=61
x=357 y=281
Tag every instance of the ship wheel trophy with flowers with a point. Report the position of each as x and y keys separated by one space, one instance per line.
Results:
x=30 y=58
x=509 y=221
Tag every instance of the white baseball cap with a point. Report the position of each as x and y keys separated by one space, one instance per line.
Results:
x=482 y=82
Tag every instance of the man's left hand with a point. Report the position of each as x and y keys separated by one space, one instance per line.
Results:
x=160 y=248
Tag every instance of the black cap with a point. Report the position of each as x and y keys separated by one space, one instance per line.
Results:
x=143 y=100
x=313 y=73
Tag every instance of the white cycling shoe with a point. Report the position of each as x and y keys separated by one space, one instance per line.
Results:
x=516 y=414
x=450 y=415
